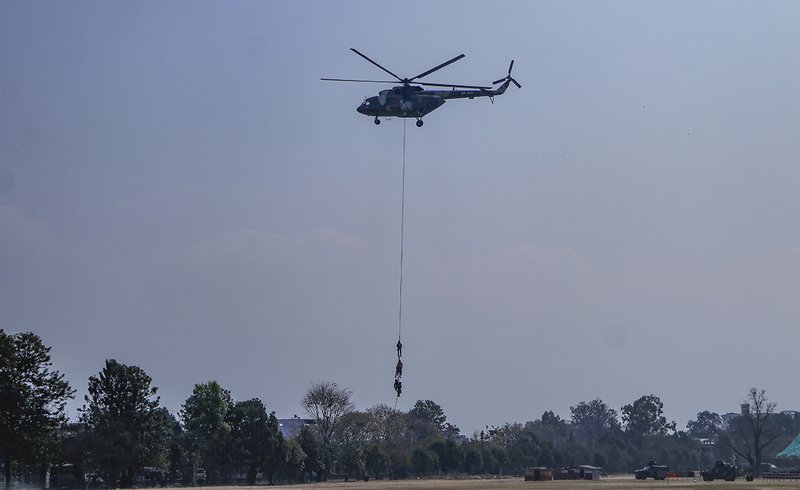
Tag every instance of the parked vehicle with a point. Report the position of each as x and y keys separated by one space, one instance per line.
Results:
x=720 y=471
x=745 y=468
x=652 y=470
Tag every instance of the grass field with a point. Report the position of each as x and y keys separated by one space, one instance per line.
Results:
x=621 y=482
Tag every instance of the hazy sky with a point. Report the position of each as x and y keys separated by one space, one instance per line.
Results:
x=180 y=191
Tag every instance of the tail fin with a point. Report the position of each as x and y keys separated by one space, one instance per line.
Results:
x=502 y=88
x=507 y=80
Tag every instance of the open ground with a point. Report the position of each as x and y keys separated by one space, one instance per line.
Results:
x=621 y=482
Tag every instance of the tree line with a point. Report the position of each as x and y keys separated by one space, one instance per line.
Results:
x=123 y=436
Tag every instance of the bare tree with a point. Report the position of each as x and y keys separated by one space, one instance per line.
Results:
x=754 y=427
x=327 y=403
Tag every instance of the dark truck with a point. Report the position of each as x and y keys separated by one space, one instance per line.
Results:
x=652 y=470
x=720 y=471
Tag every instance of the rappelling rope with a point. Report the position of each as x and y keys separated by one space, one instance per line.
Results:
x=402 y=218
x=402 y=240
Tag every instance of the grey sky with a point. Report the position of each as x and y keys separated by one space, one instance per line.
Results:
x=179 y=191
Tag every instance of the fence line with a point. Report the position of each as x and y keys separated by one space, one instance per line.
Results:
x=781 y=475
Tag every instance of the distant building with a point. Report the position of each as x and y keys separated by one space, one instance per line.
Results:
x=291 y=427
x=539 y=473
x=727 y=418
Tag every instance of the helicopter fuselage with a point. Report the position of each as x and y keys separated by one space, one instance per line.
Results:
x=414 y=101
x=411 y=100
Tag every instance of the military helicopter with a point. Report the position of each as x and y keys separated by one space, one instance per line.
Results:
x=411 y=100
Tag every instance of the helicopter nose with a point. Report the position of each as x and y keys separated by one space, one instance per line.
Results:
x=367 y=107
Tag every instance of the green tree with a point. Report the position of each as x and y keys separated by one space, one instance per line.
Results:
x=399 y=463
x=519 y=447
x=292 y=461
x=32 y=401
x=175 y=457
x=385 y=422
x=594 y=420
x=551 y=429
x=207 y=429
x=681 y=451
x=645 y=417
x=328 y=404
x=352 y=437
x=351 y=460
x=431 y=412
x=311 y=447
x=493 y=457
x=125 y=424
x=705 y=426
x=473 y=462
x=377 y=460
x=428 y=422
x=255 y=438
x=451 y=455
x=424 y=461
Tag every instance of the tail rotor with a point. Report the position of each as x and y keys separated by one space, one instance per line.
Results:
x=508 y=77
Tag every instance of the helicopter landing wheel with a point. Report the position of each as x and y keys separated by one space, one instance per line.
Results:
x=419 y=123
x=377 y=121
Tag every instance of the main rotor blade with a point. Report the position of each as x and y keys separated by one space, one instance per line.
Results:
x=438 y=67
x=374 y=63
x=452 y=85
x=364 y=81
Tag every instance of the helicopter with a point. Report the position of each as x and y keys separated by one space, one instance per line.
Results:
x=411 y=100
